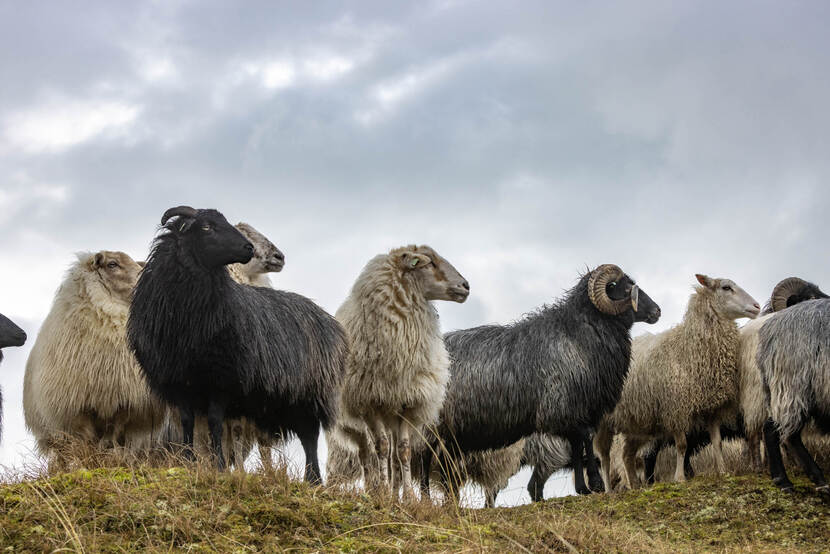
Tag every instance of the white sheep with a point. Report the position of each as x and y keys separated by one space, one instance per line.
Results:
x=397 y=368
x=681 y=379
x=81 y=378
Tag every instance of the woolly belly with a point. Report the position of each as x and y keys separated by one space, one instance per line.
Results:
x=420 y=397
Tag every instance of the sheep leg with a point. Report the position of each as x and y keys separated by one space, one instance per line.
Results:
x=717 y=444
x=687 y=462
x=808 y=463
x=239 y=429
x=426 y=467
x=393 y=467
x=216 y=424
x=536 y=485
x=490 y=494
x=404 y=451
x=650 y=461
x=602 y=446
x=594 y=478
x=772 y=442
x=381 y=440
x=630 y=447
x=366 y=455
x=754 y=446
x=187 y=420
x=576 y=441
x=680 y=468
x=312 y=465
x=264 y=448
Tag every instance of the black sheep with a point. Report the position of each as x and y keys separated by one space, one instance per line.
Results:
x=10 y=335
x=211 y=346
x=557 y=371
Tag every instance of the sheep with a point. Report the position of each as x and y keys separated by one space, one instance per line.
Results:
x=547 y=454
x=397 y=366
x=267 y=259
x=557 y=370
x=210 y=346
x=489 y=469
x=681 y=379
x=753 y=407
x=10 y=335
x=81 y=379
x=753 y=411
x=794 y=360
x=240 y=434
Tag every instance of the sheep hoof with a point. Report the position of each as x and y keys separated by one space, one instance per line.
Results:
x=823 y=489
x=784 y=484
x=597 y=487
x=583 y=490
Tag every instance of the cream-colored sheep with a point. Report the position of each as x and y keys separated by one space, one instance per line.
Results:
x=397 y=368
x=81 y=379
x=682 y=379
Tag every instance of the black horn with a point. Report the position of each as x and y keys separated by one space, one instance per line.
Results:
x=184 y=211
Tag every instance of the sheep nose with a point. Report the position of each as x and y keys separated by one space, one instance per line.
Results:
x=757 y=306
x=279 y=256
x=465 y=285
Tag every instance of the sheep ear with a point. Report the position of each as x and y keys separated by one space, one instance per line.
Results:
x=705 y=280
x=411 y=260
x=141 y=264
x=98 y=260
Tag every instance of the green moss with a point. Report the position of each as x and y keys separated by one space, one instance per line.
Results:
x=118 y=509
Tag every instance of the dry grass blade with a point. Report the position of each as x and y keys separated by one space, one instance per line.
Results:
x=53 y=502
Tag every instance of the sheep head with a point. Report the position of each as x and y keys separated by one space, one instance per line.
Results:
x=791 y=291
x=117 y=272
x=267 y=257
x=613 y=292
x=10 y=334
x=730 y=300
x=423 y=268
x=207 y=236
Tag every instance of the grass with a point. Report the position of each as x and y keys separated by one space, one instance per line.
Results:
x=117 y=509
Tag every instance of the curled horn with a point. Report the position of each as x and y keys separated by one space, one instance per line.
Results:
x=184 y=211
x=783 y=290
x=600 y=278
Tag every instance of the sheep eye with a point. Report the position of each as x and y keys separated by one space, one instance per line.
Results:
x=112 y=265
x=612 y=284
x=727 y=288
x=206 y=227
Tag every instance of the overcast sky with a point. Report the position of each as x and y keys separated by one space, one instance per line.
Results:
x=523 y=141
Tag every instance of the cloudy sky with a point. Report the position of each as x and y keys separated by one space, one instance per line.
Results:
x=524 y=141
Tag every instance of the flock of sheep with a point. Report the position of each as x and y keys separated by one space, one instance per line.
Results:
x=194 y=350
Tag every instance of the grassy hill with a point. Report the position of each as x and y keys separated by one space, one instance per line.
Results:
x=198 y=510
